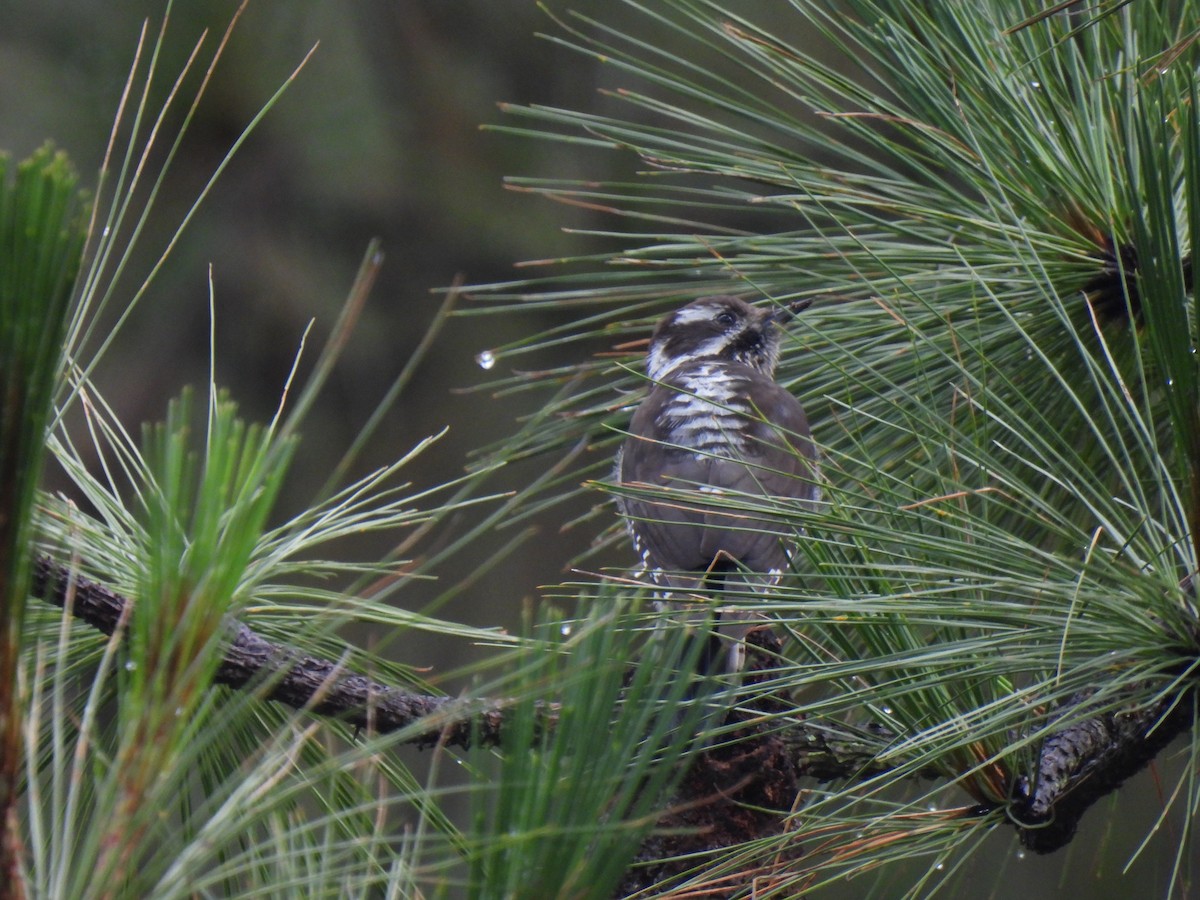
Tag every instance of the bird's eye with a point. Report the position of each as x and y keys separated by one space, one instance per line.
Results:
x=726 y=319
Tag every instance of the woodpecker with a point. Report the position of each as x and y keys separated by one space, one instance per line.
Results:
x=715 y=424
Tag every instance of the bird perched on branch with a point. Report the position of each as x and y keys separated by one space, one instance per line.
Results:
x=714 y=438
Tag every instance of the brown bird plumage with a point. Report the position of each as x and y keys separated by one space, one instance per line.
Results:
x=715 y=424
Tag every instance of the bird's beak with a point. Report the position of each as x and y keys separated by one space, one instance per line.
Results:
x=783 y=314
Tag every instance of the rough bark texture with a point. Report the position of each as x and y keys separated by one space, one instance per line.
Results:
x=1089 y=760
x=302 y=682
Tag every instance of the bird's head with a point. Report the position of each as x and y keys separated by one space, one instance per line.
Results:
x=718 y=328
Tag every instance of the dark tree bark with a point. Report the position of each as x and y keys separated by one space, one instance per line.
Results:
x=1084 y=762
x=285 y=676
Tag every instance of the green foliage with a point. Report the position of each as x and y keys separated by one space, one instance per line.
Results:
x=41 y=237
x=204 y=512
x=563 y=812
x=205 y=515
x=995 y=209
x=960 y=156
x=140 y=778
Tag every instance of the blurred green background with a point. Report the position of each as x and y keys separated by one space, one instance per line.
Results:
x=379 y=136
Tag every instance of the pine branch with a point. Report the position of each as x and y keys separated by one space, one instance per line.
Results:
x=1089 y=760
x=1078 y=765
x=820 y=750
x=321 y=686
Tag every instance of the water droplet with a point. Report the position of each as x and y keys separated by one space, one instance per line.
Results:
x=130 y=666
x=940 y=866
x=933 y=807
x=178 y=711
x=486 y=359
x=887 y=710
x=1035 y=84
x=105 y=232
x=1170 y=382
x=565 y=630
x=1020 y=854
